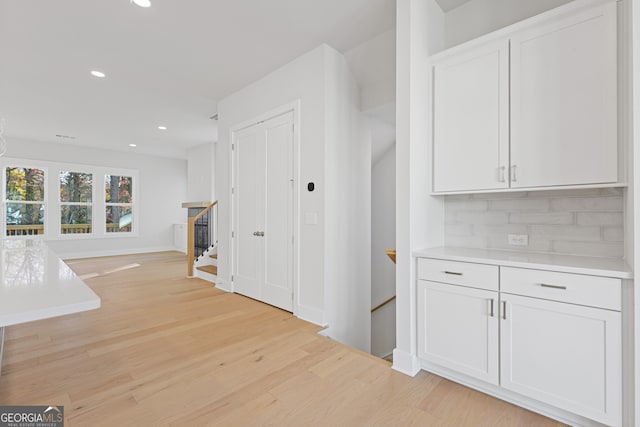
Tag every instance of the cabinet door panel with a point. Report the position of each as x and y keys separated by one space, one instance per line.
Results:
x=471 y=114
x=563 y=102
x=563 y=354
x=456 y=329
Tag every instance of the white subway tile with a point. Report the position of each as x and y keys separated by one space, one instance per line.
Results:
x=456 y=197
x=504 y=229
x=541 y=218
x=458 y=230
x=604 y=249
x=535 y=244
x=565 y=232
x=500 y=196
x=565 y=193
x=465 y=205
x=530 y=205
x=613 y=234
x=600 y=218
x=466 y=241
x=481 y=218
x=593 y=204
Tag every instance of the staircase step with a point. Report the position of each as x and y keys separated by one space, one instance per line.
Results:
x=214 y=256
x=211 y=269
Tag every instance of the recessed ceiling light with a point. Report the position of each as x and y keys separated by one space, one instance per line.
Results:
x=132 y=145
x=97 y=74
x=142 y=3
x=162 y=127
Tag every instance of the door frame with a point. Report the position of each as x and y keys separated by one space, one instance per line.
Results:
x=291 y=107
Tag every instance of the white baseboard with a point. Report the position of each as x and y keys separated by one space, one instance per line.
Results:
x=405 y=363
x=223 y=285
x=113 y=252
x=310 y=314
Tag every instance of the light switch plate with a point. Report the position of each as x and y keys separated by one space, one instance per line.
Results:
x=310 y=218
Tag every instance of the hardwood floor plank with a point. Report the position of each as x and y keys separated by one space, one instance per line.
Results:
x=164 y=350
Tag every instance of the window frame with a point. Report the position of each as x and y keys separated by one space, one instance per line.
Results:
x=19 y=163
x=124 y=205
x=90 y=205
x=53 y=204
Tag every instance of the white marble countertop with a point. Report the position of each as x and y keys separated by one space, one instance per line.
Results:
x=36 y=284
x=594 y=266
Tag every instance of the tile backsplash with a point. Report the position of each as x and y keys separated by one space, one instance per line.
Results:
x=578 y=222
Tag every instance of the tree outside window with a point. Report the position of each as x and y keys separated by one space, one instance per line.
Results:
x=119 y=203
x=25 y=207
x=76 y=191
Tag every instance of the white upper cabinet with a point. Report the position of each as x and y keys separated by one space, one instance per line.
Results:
x=471 y=113
x=563 y=102
x=536 y=107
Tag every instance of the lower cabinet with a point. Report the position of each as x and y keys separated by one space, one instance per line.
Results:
x=535 y=335
x=566 y=355
x=459 y=328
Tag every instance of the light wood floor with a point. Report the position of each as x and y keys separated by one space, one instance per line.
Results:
x=169 y=351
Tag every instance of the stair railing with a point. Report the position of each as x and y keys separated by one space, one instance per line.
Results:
x=391 y=253
x=202 y=234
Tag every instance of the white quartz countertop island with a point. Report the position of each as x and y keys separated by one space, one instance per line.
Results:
x=36 y=284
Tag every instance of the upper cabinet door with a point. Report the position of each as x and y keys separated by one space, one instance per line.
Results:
x=563 y=102
x=471 y=120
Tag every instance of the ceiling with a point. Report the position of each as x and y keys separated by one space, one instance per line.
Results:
x=166 y=65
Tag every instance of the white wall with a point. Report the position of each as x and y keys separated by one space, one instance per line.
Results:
x=333 y=280
x=162 y=189
x=373 y=63
x=199 y=173
x=303 y=80
x=383 y=236
x=479 y=17
x=420 y=26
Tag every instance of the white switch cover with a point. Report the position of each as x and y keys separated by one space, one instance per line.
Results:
x=518 y=239
x=311 y=218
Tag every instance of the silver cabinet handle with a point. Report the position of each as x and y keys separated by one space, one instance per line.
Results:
x=544 y=285
x=504 y=310
x=255 y=233
x=491 y=313
x=513 y=173
x=501 y=177
x=454 y=273
x=262 y=234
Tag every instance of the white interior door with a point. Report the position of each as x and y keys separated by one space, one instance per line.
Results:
x=263 y=211
x=246 y=251
x=277 y=243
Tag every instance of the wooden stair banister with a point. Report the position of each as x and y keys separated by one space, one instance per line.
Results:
x=391 y=253
x=191 y=234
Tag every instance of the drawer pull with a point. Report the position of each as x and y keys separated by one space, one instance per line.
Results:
x=452 y=273
x=492 y=314
x=544 y=285
x=504 y=310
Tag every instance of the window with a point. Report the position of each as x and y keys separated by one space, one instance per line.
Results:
x=24 y=201
x=76 y=189
x=119 y=203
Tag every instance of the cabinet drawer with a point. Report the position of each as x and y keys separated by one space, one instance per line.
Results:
x=603 y=292
x=481 y=276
